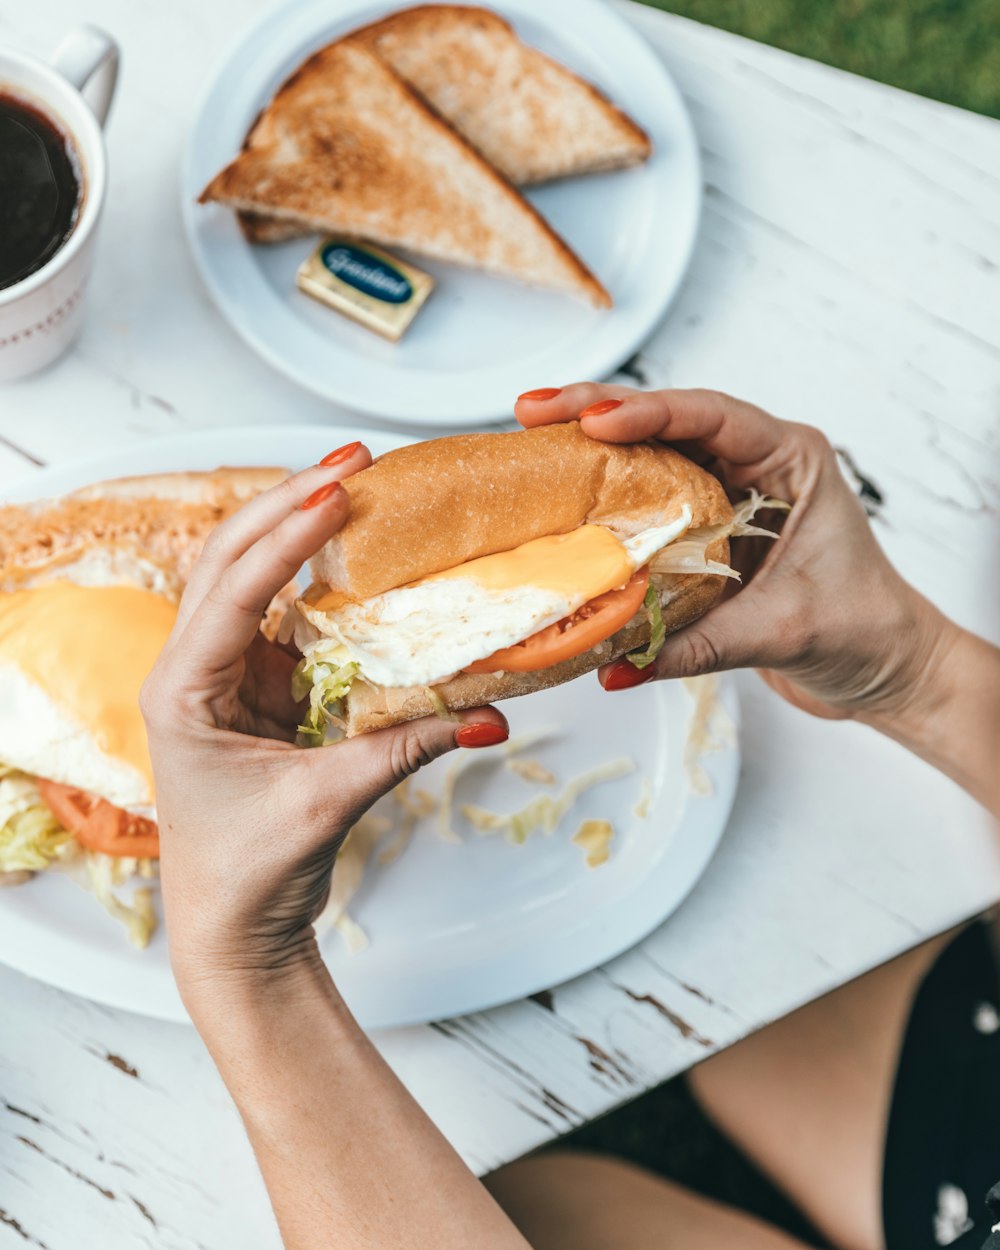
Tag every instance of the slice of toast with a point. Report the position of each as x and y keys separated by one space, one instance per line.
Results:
x=528 y=115
x=531 y=118
x=347 y=147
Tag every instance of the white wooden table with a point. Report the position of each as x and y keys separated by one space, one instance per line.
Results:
x=848 y=274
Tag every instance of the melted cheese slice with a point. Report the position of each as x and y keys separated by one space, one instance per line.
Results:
x=89 y=648
x=588 y=561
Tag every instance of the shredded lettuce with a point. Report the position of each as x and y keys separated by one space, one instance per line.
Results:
x=30 y=836
x=324 y=675
x=544 y=812
x=687 y=554
x=657 y=631
x=594 y=839
x=31 y=840
x=100 y=874
x=441 y=709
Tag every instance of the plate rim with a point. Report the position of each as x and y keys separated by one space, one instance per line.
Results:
x=604 y=353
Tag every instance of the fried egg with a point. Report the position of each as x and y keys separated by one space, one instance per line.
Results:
x=421 y=634
x=72 y=661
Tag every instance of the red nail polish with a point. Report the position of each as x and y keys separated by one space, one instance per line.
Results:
x=341 y=454
x=543 y=392
x=320 y=496
x=481 y=735
x=601 y=407
x=623 y=676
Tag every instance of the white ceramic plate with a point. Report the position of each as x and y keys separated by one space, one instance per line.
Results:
x=453 y=928
x=480 y=341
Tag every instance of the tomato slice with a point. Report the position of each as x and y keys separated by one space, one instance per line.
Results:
x=99 y=825
x=589 y=625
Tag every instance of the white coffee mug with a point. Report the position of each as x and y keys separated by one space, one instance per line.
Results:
x=41 y=315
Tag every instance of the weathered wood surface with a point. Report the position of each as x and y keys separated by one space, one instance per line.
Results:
x=848 y=274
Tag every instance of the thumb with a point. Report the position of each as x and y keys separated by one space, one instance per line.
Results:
x=732 y=635
x=372 y=764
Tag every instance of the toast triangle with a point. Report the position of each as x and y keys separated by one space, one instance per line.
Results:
x=347 y=147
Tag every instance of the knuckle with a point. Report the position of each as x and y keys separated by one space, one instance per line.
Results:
x=694 y=653
x=148 y=697
x=215 y=544
x=408 y=752
x=815 y=441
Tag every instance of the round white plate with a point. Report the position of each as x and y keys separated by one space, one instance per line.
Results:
x=479 y=341
x=453 y=928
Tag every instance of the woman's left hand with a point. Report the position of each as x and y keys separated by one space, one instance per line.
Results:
x=250 y=824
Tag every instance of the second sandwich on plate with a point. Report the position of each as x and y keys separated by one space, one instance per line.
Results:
x=480 y=567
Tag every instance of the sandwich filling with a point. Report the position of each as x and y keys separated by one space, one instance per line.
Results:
x=522 y=610
x=76 y=783
x=421 y=634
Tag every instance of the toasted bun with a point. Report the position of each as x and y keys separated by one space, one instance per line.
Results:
x=165 y=518
x=145 y=530
x=432 y=505
x=373 y=707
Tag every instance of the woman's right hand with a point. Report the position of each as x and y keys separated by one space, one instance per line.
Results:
x=822 y=613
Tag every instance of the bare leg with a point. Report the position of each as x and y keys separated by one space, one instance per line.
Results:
x=808 y=1097
x=566 y=1201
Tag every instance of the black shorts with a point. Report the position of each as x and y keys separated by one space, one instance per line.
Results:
x=942 y=1149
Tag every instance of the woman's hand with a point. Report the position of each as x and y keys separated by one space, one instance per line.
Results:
x=250 y=824
x=822 y=613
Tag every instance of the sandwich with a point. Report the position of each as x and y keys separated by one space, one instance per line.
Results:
x=530 y=117
x=480 y=567
x=89 y=587
x=346 y=147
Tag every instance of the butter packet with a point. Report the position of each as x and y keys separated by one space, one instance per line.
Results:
x=366 y=284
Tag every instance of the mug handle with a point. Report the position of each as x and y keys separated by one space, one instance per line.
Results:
x=82 y=54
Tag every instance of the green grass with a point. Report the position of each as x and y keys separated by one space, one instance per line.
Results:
x=946 y=49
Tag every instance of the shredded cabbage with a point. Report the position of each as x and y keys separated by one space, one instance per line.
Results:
x=101 y=874
x=711 y=729
x=348 y=871
x=31 y=839
x=657 y=631
x=441 y=709
x=471 y=759
x=324 y=674
x=594 y=839
x=531 y=770
x=545 y=812
x=687 y=554
x=641 y=807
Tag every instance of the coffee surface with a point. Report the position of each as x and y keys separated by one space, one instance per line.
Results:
x=40 y=189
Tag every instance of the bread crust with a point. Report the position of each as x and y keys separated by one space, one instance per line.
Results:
x=159 y=522
x=533 y=119
x=372 y=707
x=433 y=505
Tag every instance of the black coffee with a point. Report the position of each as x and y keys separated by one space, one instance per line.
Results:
x=39 y=189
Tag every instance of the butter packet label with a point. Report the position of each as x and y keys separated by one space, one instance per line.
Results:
x=365 y=283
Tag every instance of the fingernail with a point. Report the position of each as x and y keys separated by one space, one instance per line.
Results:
x=623 y=676
x=601 y=407
x=543 y=392
x=481 y=735
x=341 y=454
x=321 y=495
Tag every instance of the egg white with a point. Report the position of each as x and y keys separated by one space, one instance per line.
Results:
x=422 y=634
x=38 y=736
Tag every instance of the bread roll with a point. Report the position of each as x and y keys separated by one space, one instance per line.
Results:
x=430 y=506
